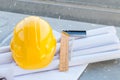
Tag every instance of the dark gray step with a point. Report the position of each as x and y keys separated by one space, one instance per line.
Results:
x=63 y=10
x=99 y=3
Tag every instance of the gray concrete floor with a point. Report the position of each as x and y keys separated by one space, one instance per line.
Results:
x=108 y=70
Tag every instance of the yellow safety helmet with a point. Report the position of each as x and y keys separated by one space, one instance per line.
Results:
x=33 y=44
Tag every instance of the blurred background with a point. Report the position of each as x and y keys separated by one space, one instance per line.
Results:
x=93 y=11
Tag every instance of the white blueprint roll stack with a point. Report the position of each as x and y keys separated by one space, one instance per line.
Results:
x=99 y=45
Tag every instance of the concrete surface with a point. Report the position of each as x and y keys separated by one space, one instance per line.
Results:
x=98 y=3
x=93 y=11
x=109 y=70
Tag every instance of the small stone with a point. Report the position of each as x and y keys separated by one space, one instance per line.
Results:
x=116 y=61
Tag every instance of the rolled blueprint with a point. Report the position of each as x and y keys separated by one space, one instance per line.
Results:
x=55 y=74
x=97 y=57
x=93 y=50
x=96 y=50
x=74 y=61
x=100 y=31
x=83 y=45
x=86 y=43
x=4 y=49
x=6 y=58
x=6 y=73
x=100 y=46
x=93 y=41
x=92 y=32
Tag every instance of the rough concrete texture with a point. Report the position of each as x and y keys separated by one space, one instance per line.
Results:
x=99 y=3
x=83 y=10
x=109 y=70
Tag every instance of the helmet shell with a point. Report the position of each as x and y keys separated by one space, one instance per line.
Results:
x=33 y=44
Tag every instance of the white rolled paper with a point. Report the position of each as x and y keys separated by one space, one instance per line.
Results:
x=75 y=71
x=6 y=72
x=78 y=54
x=92 y=32
x=95 y=41
x=6 y=58
x=85 y=59
x=94 y=50
x=83 y=44
x=4 y=49
x=74 y=61
x=99 y=31
x=101 y=44
x=86 y=43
